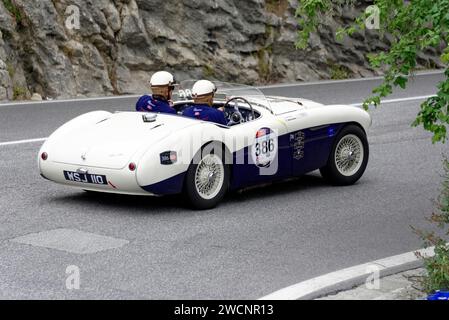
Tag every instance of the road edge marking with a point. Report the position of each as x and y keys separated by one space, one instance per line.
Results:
x=7 y=143
x=30 y=103
x=326 y=82
x=273 y=86
x=348 y=278
x=10 y=143
x=388 y=101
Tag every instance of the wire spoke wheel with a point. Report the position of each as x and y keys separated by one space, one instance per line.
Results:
x=209 y=176
x=349 y=155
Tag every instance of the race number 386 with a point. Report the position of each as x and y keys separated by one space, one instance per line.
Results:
x=265 y=147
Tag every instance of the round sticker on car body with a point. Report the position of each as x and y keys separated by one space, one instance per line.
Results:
x=265 y=147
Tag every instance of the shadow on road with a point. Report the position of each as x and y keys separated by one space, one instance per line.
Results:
x=144 y=205
x=131 y=205
x=275 y=189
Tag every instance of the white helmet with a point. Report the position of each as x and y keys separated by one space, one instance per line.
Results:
x=162 y=78
x=203 y=87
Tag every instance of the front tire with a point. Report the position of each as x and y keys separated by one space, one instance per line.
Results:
x=207 y=178
x=348 y=158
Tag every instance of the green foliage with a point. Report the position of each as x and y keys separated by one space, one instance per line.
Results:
x=437 y=270
x=11 y=70
x=338 y=72
x=414 y=27
x=208 y=71
x=13 y=9
x=19 y=93
x=438 y=266
x=264 y=67
x=434 y=114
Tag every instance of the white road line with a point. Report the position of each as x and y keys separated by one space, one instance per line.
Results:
x=350 y=277
x=353 y=104
x=326 y=82
x=274 y=86
x=398 y=100
x=10 y=143
x=28 y=103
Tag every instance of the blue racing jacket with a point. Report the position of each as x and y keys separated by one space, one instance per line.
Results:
x=148 y=103
x=205 y=113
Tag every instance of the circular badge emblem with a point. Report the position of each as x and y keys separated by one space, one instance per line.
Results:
x=264 y=148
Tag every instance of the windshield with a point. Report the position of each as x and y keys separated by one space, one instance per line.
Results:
x=225 y=92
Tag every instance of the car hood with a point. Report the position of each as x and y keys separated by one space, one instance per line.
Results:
x=111 y=143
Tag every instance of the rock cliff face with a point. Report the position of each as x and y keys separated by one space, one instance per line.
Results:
x=120 y=42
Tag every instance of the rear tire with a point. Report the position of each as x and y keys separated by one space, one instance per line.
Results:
x=348 y=158
x=207 y=179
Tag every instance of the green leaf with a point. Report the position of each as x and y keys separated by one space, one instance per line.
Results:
x=414 y=26
x=401 y=81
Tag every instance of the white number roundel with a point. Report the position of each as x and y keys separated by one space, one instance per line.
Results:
x=264 y=148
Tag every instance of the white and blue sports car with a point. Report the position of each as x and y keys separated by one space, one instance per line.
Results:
x=266 y=139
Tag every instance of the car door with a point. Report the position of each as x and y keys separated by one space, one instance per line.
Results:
x=310 y=141
x=262 y=152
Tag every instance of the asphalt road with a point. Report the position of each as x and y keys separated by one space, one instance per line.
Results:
x=251 y=245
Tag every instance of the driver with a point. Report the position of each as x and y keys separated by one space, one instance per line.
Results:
x=162 y=86
x=203 y=93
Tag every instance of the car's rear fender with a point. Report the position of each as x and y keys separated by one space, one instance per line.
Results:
x=164 y=178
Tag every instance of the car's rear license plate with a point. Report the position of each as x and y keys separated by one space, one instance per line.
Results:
x=85 y=178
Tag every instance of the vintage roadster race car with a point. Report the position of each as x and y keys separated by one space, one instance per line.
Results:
x=266 y=139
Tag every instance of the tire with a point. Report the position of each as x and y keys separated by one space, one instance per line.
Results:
x=203 y=188
x=348 y=158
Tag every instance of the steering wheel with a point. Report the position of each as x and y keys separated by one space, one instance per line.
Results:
x=227 y=104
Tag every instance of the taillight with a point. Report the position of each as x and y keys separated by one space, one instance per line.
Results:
x=132 y=166
x=44 y=156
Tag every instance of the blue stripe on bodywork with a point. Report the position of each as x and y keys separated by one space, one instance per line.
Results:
x=245 y=173
x=317 y=147
x=293 y=159
x=172 y=185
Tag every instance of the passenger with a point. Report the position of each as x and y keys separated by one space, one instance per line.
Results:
x=162 y=86
x=203 y=93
